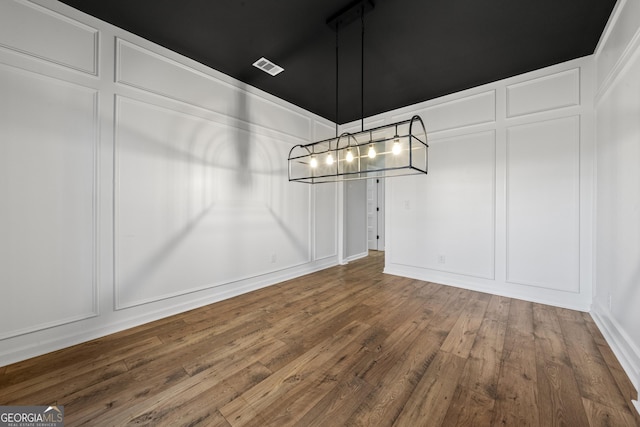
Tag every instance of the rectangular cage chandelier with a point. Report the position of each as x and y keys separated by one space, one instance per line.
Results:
x=391 y=150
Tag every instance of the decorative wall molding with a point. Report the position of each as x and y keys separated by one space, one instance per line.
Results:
x=538 y=197
x=409 y=201
x=36 y=109
x=533 y=96
x=201 y=124
x=470 y=110
x=50 y=37
x=485 y=141
x=151 y=72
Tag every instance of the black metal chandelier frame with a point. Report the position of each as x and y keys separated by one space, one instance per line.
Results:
x=308 y=162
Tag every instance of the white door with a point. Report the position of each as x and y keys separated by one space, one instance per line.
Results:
x=375 y=214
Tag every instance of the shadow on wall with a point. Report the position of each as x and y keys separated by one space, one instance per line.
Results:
x=211 y=213
x=241 y=140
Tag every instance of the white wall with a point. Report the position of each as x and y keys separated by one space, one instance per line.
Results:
x=355 y=219
x=136 y=183
x=616 y=303
x=507 y=205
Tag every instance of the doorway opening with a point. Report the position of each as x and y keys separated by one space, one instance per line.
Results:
x=375 y=214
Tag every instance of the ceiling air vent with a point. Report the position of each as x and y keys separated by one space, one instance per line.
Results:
x=267 y=66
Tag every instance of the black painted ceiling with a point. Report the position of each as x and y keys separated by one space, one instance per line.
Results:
x=414 y=50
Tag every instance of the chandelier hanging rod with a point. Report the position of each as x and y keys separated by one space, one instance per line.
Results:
x=350 y=13
x=393 y=150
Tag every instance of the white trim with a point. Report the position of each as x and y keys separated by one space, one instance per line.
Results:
x=524 y=83
x=626 y=59
x=613 y=19
x=539 y=295
x=355 y=257
x=92 y=71
x=627 y=353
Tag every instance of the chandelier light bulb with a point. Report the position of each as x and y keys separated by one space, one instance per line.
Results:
x=349 y=156
x=329 y=159
x=313 y=162
x=372 y=152
x=396 y=147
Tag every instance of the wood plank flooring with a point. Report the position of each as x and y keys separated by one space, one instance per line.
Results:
x=347 y=346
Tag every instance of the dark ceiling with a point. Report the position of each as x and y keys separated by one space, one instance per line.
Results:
x=414 y=50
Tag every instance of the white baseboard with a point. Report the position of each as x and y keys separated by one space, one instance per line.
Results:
x=532 y=294
x=622 y=346
x=354 y=257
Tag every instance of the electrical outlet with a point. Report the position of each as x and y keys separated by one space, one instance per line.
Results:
x=407 y=204
x=442 y=259
x=274 y=258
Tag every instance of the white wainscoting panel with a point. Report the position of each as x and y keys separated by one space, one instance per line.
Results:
x=143 y=69
x=505 y=208
x=543 y=204
x=48 y=144
x=455 y=210
x=199 y=204
x=544 y=93
x=467 y=111
x=48 y=36
x=326 y=207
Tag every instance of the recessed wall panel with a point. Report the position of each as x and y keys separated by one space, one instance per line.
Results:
x=41 y=33
x=543 y=201
x=48 y=134
x=199 y=204
x=154 y=73
x=454 y=207
x=467 y=111
x=544 y=93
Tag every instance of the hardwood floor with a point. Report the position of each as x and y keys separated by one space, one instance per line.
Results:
x=344 y=346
